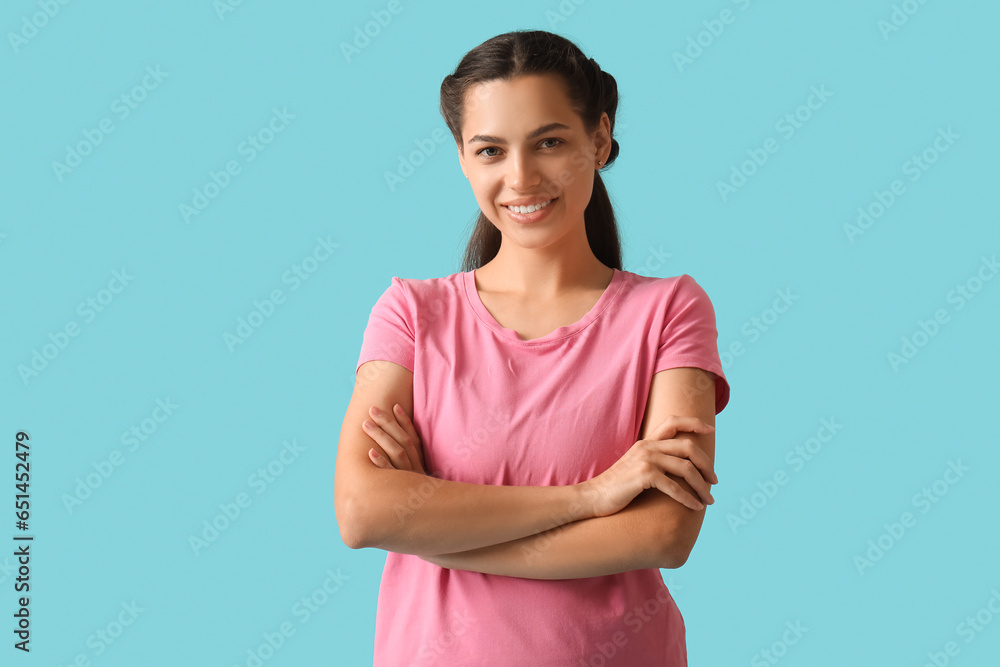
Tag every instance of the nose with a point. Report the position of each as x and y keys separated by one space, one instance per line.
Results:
x=523 y=174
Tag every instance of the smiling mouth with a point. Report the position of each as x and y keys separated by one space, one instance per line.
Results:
x=526 y=210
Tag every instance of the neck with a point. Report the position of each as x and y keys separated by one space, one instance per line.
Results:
x=546 y=272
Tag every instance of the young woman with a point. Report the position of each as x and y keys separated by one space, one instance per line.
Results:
x=561 y=446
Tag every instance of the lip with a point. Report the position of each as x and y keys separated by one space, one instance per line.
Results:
x=526 y=201
x=530 y=217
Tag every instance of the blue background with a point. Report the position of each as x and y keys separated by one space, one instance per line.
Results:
x=322 y=178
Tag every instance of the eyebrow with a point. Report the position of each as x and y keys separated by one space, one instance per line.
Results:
x=488 y=138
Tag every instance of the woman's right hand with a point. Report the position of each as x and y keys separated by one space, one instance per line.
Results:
x=645 y=464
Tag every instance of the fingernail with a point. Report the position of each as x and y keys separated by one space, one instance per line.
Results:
x=376 y=412
x=374 y=453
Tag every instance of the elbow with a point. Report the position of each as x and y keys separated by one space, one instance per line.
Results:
x=674 y=555
x=352 y=540
x=351 y=523
x=676 y=545
x=677 y=556
x=363 y=514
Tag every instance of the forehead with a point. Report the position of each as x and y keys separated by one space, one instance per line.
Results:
x=502 y=107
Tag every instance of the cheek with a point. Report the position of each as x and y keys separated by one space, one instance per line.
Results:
x=577 y=188
x=581 y=162
x=485 y=201
x=574 y=175
x=485 y=193
x=488 y=205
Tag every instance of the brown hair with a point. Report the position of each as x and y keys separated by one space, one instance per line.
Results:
x=591 y=91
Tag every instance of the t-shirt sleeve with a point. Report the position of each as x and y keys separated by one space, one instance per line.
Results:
x=689 y=336
x=389 y=333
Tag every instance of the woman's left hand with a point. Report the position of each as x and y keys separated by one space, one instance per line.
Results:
x=395 y=434
x=399 y=440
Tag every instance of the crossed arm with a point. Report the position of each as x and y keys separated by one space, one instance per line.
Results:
x=637 y=537
x=653 y=531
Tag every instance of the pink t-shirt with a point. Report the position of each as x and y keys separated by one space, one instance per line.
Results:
x=490 y=408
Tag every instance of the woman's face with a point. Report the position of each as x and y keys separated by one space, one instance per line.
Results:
x=522 y=141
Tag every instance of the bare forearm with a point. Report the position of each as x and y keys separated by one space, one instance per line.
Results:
x=407 y=512
x=592 y=547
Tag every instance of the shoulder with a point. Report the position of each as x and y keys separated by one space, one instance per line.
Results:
x=417 y=289
x=667 y=290
x=416 y=296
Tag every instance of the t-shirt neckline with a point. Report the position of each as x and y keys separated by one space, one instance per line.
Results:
x=607 y=297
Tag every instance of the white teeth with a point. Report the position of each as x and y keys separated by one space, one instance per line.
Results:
x=529 y=209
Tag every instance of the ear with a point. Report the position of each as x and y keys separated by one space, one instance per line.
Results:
x=602 y=137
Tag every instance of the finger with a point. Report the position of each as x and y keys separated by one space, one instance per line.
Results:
x=700 y=458
x=674 y=424
x=407 y=424
x=397 y=455
x=406 y=438
x=390 y=425
x=687 y=448
x=686 y=470
x=379 y=460
x=704 y=463
x=677 y=492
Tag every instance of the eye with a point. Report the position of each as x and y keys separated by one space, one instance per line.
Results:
x=558 y=141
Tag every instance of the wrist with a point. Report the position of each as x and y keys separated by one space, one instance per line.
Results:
x=581 y=505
